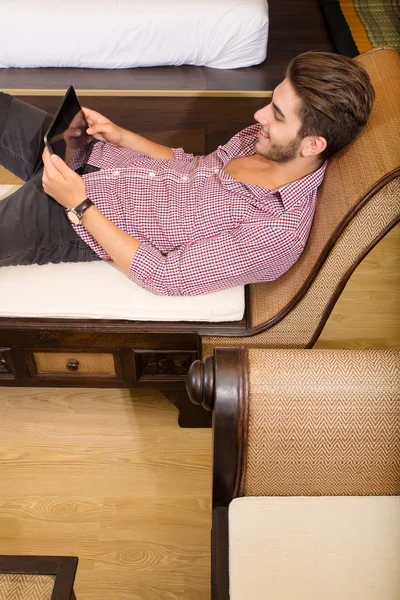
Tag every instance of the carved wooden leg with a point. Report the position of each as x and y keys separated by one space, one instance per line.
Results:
x=190 y=415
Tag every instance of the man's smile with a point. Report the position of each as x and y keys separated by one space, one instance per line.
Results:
x=263 y=135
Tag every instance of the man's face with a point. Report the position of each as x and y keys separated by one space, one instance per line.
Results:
x=278 y=139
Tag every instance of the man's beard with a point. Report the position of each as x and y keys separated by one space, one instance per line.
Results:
x=279 y=152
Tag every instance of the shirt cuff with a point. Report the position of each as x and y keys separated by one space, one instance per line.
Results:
x=156 y=272
x=180 y=154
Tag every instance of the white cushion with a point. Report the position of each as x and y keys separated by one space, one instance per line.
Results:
x=315 y=548
x=99 y=290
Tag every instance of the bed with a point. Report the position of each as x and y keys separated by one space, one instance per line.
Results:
x=121 y=34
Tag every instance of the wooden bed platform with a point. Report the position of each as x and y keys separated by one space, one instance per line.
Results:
x=194 y=107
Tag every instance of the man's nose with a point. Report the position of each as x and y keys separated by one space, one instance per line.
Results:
x=261 y=116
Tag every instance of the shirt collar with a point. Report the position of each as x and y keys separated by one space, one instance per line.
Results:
x=293 y=192
x=288 y=194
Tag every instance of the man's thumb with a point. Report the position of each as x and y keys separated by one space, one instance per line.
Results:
x=93 y=129
x=58 y=162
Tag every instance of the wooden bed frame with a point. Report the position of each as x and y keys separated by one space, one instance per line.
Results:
x=193 y=107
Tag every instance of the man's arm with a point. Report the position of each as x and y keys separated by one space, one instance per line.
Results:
x=235 y=257
x=69 y=190
x=141 y=144
x=103 y=129
x=120 y=246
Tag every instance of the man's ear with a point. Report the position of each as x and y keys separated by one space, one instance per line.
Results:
x=312 y=145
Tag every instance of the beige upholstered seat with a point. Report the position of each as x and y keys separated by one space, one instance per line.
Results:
x=358 y=203
x=306 y=475
x=309 y=548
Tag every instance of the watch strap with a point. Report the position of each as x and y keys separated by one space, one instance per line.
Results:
x=82 y=207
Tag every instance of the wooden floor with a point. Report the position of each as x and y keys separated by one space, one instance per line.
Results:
x=367 y=314
x=108 y=476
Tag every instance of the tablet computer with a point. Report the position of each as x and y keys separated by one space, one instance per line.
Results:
x=67 y=135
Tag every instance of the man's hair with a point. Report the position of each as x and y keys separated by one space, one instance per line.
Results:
x=336 y=97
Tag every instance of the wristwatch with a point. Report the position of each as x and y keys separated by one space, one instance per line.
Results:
x=75 y=214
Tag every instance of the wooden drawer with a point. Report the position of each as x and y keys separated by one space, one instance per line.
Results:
x=162 y=365
x=97 y=359
x=6 y=371
x=71 y=364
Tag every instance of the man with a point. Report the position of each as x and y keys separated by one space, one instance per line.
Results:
x=177 y=223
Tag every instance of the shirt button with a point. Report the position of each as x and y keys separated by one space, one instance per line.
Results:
x=216 y=170
x=185 y=178
x=152 y=174
x=115 y=173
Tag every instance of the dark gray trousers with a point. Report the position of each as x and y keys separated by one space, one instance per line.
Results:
x=34 y=228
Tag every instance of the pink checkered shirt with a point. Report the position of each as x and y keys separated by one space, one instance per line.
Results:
x=200 y=229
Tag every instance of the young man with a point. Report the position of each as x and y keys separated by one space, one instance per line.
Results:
x=181 y=224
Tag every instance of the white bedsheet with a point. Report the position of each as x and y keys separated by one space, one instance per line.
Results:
x=117 y=34
x=99 y=290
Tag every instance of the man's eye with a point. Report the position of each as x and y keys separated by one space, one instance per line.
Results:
x=277 y=117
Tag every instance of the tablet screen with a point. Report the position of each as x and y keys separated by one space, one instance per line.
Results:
x=67 y=135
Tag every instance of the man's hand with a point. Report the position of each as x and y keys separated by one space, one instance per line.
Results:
x=76 y=135
x=62 y=183
x=102 y=128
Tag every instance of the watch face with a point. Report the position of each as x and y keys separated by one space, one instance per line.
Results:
x=73 y=217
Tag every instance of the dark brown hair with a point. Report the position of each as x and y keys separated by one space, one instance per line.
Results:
x=336 y=97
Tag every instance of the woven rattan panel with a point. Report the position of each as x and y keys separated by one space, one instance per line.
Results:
x=297 y=329
x=26 y=587
x=56 y=362
x=323 y=423
x=350 y=174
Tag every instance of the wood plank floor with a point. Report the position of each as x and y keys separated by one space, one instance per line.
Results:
x=108 y=476
x=367 y=314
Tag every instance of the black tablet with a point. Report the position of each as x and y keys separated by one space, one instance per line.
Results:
x=67 y=135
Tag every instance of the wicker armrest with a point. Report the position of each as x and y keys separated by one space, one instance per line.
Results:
x=302 y=422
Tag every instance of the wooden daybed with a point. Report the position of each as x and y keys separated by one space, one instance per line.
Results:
x=203 y=113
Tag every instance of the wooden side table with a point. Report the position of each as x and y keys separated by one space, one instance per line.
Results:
x=37 y=577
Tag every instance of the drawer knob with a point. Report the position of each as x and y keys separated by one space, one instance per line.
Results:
x=3 y=363
x=73 y=365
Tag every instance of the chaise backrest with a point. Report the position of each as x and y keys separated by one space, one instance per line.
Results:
x=352 y=177
x=358 y=203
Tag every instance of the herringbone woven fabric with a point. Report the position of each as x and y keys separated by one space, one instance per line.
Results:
x=26 y=587
x=297 y=329
x=349 y=175
x=323 y=423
